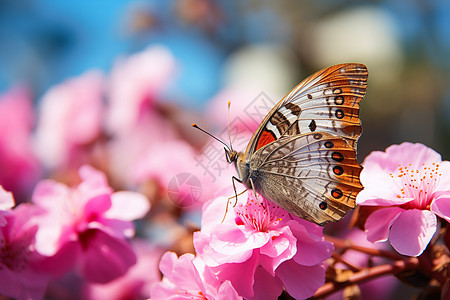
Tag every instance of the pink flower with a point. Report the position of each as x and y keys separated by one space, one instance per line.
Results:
x=70 y=119
x=20 y=168
x=143 y=141
x=260 y=248
x=135 y=83
x=136 y=283
x=21 y=277
x=86 y=227
x=187 y=277
x=406 y=182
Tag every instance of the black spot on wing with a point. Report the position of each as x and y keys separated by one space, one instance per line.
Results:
x=295 y=109
x=312 y=126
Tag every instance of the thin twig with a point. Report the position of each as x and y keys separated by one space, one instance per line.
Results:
x=429 y=266
x=339 y=258
x=347 y=244
x=366 y=275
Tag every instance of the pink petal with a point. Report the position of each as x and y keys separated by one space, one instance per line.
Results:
x=185 y=275
x=137 y=282
x=207 y=253
x=270 y=264
x=279 y=242
x=408 y=153
x=20 y=277
x=166 y=264
x=227 y=292
x=58 y=264
x=314 y=231
x=104 y=257
x=92 y=177
x=241 y=275
x=3 y=220
x=444 y=179
x=205 y=278
x=49 y=192
x=181 y=278
x=379 y=187
x=311 y=249
x=301 y=282
x=48 y=239
x=277 y=250
x=9 y=285
x=441 y=207
x=312 y=253
x=24 y=284
x=133 y=81
x=167 y=291
x=238 y=247
x=114 y=227
x=378 y=223
x=6 y=199
x=378 y=162
x=213 y=212
x=34 y=283
x=412 y=231
x=23 y=214
x=266 y=286
x=128 y=206
x=370 y=196
x=97 y=206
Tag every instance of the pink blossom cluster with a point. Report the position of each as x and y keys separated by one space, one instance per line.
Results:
x=61 y=221
x=256 y=251
x=73 y=224
x=82 y=228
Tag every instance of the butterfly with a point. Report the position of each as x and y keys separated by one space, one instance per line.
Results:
x=303 y=154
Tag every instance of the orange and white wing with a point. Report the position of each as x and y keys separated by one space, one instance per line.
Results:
x=327 y=101
x=314 y=175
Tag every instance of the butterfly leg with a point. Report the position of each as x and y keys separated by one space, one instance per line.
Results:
x=234 y=187
x=254 y=192
x=253 y=187
x=235 y=195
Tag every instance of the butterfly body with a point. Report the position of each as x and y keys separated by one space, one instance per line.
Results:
x=303 y=154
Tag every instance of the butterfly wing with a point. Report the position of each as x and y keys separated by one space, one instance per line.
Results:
x=315 y=175
x=327 y=101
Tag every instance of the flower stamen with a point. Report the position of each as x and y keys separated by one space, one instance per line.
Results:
x=417 y=184
x=258 y=214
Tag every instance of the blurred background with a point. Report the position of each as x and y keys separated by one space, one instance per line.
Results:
x=263 y=45
x=191 y=57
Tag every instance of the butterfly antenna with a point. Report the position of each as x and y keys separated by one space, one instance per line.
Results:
x=204 y=131
x=228 y=120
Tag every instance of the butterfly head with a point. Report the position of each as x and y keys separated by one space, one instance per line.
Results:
x=231 y=155
x=237 y=158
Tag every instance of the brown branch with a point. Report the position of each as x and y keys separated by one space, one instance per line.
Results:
x=338 y=258
x=347 y=244
x=430 y=265
x=367 y=274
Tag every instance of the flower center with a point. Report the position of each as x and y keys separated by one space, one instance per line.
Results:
x=418 y=184
x=193 y=294
x=14 y=255
x=258 y=214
